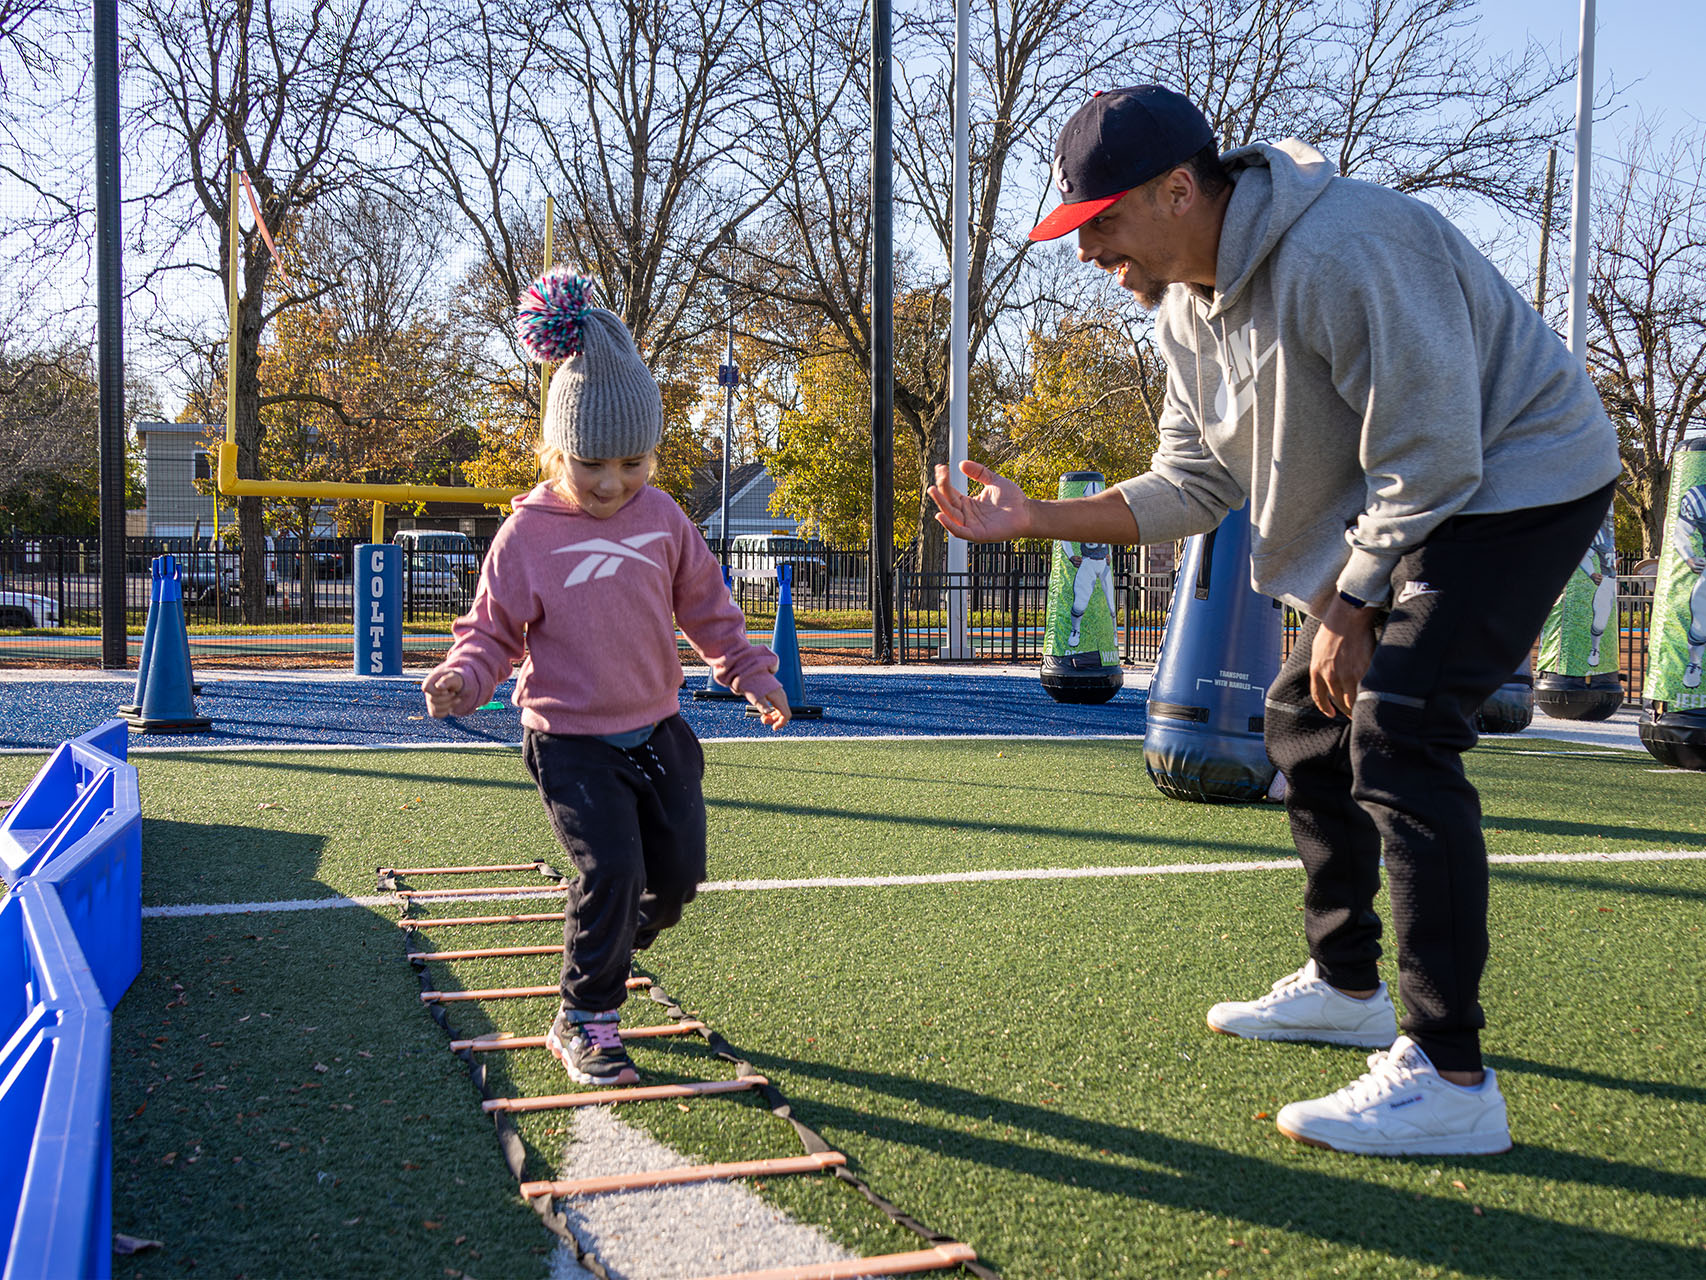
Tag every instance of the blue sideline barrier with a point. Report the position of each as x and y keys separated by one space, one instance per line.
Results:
x=55 y=1096
x=70 y=945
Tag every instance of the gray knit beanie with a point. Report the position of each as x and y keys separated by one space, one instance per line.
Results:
x=604 y=402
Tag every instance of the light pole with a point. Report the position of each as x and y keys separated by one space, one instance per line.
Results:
x=728 y=377
x=958 y=579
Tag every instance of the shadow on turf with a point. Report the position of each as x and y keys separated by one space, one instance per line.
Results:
x=1507 y=871
x=1665 y=1089
x=1329 y=1203
x=297 y=763
x=1511 y=825
x=225 y=862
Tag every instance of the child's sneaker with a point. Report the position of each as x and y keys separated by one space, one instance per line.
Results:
x=1402 y=1107
x=589 y=1045
x=1303 y=1006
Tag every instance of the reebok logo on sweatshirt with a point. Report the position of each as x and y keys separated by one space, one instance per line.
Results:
x=604 y=557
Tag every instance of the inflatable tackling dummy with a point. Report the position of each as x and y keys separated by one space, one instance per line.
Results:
x=1674 y=728
x=1220 y=653
x=1511 y=707
x=1578 y=677
x=1081 y=646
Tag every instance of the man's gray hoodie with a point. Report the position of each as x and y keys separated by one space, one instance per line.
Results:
x=1359 y=374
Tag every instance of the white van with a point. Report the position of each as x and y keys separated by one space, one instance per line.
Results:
x=756 y=555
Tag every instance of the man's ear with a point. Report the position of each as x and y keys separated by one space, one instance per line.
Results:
x=1179 y=190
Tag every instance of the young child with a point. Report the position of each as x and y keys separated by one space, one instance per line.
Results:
x=585 y=583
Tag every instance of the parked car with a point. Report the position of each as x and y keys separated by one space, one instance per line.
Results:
x=26 y=609
x=757 y=555
x=456 y=548
x=205 y=574
x=431 y=579
x=331 y=558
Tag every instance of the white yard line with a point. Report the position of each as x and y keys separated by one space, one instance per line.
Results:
x=942 y=877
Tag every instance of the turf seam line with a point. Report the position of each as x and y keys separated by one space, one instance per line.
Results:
x=946 y=877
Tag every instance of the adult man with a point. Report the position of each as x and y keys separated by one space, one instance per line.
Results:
x=1404 y=428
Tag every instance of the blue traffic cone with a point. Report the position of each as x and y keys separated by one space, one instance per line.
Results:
x=786 y=644
x=715 y=690
x=168 y=705
x=134 y=706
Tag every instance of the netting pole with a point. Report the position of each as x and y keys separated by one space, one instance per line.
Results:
x=109 y=288
x=882 y=334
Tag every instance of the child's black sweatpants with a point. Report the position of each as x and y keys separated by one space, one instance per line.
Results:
x=1467 y=606
x=633 y=823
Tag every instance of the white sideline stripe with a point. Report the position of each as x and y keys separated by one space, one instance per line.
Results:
x=942 y=877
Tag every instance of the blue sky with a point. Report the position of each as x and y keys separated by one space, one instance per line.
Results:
x=1652 y=49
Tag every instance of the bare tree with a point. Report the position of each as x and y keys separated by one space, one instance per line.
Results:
x=638 y=115
x=48 y=215
x=1032 y=61
x=1647 y=311
x=272 y=90
x=1399 y=92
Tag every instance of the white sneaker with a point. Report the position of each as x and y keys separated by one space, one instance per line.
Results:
x=1304 y=1007
x=1402 y=1107
x=1691 y=676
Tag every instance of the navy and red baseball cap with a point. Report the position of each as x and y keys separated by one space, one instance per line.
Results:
x=1118 y=140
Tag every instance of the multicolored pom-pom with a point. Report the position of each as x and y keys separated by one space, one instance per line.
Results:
x=552 y=313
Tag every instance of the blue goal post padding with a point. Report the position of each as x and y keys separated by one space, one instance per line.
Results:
x=55 y=1096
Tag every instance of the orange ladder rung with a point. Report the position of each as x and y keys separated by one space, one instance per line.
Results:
x=934 y=1258
x=639 y=1093
x=478 y=890
x=507 y=1040
x=410 y=923
x=481 y=953
x=508 y=993
x=688 y=1173
x=458 y=871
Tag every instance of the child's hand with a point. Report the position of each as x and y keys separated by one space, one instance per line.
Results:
x=772 y=707
x=442 y=689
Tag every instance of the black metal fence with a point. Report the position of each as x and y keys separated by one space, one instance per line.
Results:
x=54 y=585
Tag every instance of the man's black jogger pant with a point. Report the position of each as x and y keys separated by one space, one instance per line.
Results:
x=1466 y=608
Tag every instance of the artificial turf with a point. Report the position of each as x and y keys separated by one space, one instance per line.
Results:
x=1021 y=1064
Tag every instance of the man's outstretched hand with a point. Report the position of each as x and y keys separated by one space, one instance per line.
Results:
x=995 y=514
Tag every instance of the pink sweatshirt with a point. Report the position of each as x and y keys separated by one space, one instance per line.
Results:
x=590 y=605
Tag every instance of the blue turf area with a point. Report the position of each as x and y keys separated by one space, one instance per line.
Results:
x=286 y=712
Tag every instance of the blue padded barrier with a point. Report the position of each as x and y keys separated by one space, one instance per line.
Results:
x=98 y=876
x=55 y=1096
x=49 y=811
x=99 y=883
x=113 y=737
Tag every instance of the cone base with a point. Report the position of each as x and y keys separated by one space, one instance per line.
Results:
x=716 y=695
x=190 y=724
x=799 y=713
